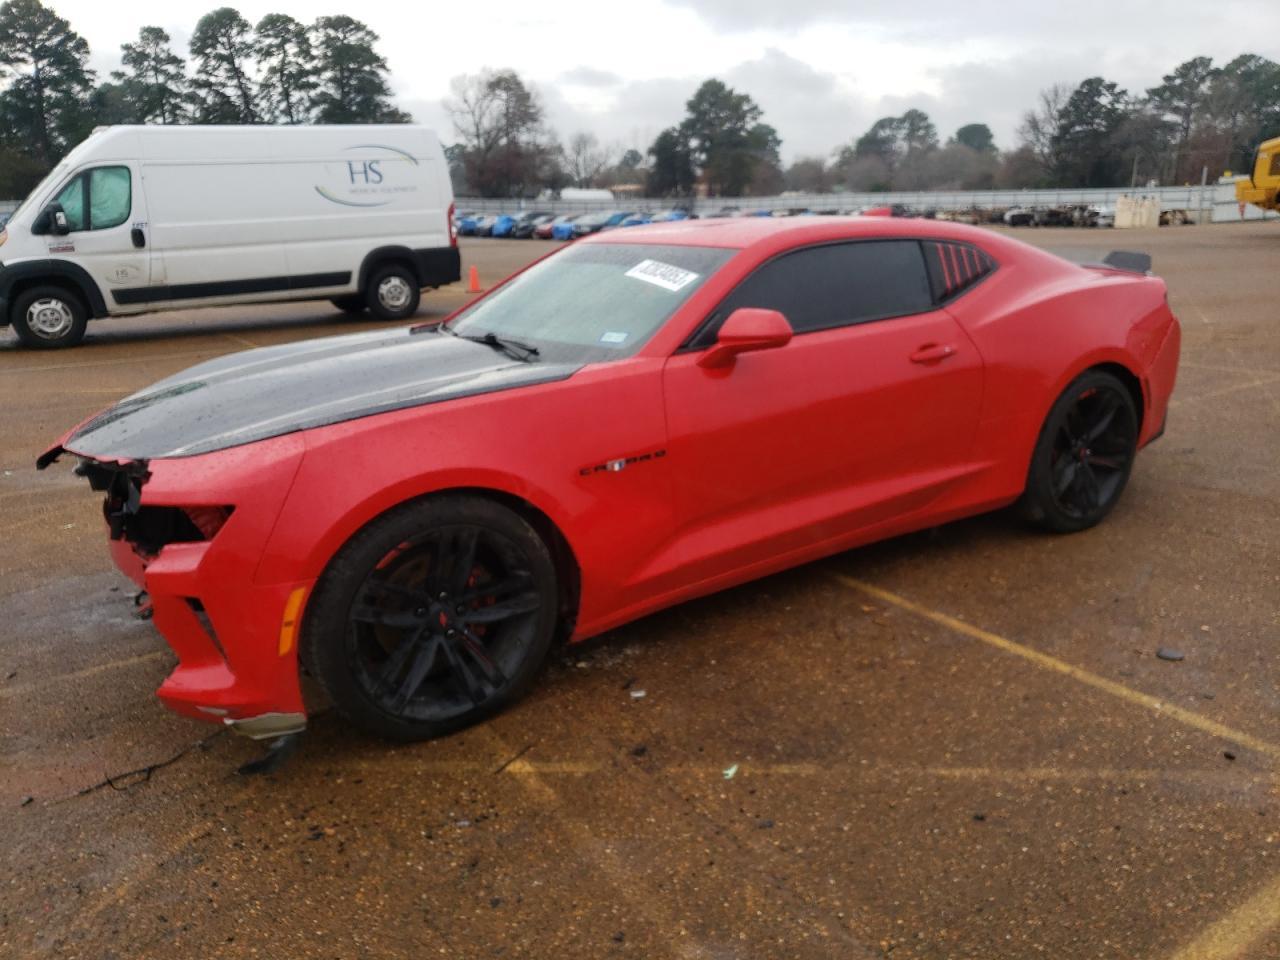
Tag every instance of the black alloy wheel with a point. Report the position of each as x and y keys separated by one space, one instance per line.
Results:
x=1084 y=455
x=435 y=616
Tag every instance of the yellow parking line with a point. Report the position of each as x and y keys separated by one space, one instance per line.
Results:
x=1214 y=394
x=21 y=688
x=140 y=359
x=1233 y=936
x=1154 y=704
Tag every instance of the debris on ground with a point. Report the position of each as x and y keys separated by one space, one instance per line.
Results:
x=1168 y=653
x=639 y=750
x=731 y=772
x=1228 y=754
x=637 y=694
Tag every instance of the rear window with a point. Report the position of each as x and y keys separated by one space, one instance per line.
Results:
x=955 y=267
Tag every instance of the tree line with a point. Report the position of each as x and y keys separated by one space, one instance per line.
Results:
x=280 y=70
x=1200 y=117
x=277 y=71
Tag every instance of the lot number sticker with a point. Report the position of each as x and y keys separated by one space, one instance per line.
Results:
x=662 y=275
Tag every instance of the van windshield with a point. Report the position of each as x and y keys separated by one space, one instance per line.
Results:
x=593 y=301
x=55 y=174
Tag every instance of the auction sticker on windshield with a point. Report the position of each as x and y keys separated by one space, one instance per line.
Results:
x=662 y=275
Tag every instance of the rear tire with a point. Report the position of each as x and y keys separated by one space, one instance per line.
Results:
x=49 y=318
x=393 y=292
x=436 y=615
x=353 y=304
x=1083 y=456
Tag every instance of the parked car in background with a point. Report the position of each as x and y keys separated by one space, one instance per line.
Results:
x=595 y=222
x=637 y=219
x=546 y=229
x=139 y=219
x=468 y=226
x=1104 y=216
x=670 y=216
x=563 y=229
x=502 y=225
x=485 y=225
x=1019 y=217
x=526 y=225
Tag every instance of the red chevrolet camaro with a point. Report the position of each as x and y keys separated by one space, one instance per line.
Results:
x=415 y=515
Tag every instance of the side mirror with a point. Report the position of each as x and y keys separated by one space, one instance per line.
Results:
x=747 y=329
x=53 y=220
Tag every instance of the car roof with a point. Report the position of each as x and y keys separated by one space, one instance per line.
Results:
x=743 y=232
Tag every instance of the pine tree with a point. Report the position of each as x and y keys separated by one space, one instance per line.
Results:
x=154 y=82
x=288 y=83
x=44 y=109
x=222 y=46
x=352 y=76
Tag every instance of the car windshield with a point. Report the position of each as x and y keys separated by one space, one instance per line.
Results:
x=592 y=302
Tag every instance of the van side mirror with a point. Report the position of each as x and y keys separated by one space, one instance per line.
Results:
x=746 y=330
x=52 y=219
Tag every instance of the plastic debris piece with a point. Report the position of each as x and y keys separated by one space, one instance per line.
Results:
x=1168 y=653
x=637 y=694
x=731 y=772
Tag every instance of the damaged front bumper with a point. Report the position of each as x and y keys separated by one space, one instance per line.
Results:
x=192 y=532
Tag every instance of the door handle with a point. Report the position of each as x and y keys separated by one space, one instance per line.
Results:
x=139 y=238
x=933 y=353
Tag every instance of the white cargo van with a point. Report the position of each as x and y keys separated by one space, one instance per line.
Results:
x=138 y=219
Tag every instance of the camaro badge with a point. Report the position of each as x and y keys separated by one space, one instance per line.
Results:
x=617 y=466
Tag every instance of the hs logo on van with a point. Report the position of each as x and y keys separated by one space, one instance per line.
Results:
x=366 y=171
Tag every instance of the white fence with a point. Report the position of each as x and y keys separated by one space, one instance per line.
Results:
x=1192 y=199
x=1216 y=202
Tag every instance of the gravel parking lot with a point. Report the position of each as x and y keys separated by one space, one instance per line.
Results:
x=958 y=744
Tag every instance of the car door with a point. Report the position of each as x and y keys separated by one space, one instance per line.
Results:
x=106 y=213
x=869 y=412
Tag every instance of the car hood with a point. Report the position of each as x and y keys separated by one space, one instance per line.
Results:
x=271 y=391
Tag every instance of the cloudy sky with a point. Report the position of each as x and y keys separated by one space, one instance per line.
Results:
x=823 y=70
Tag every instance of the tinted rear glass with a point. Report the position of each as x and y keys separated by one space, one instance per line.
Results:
x=836 y=285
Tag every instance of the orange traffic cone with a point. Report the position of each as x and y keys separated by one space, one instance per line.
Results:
x=474 y=285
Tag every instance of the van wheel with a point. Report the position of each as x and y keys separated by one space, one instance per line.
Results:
x=393 y=293
x=353 y=304
x=49 y=317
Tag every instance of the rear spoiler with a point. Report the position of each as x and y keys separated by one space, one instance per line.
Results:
x=1128 y=260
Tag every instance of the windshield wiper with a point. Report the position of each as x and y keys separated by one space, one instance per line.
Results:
x=523 y=352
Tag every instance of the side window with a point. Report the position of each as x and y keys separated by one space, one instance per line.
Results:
x=71 y=197
x=834 y=286
x=955 y=267
x=110 y=197
x=97 y=199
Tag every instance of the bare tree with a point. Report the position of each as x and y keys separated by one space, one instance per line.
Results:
x=1040 y=125
x=506 y=150
x=586 y=159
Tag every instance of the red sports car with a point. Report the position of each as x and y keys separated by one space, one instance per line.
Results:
x=415 y=515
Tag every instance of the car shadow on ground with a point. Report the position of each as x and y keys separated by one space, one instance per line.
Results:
x=217 y=322
x=587 y=671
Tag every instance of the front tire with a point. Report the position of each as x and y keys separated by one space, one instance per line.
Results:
x=1083 y=456
x=434 y=616
x=49 y=318
x=393 y=293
